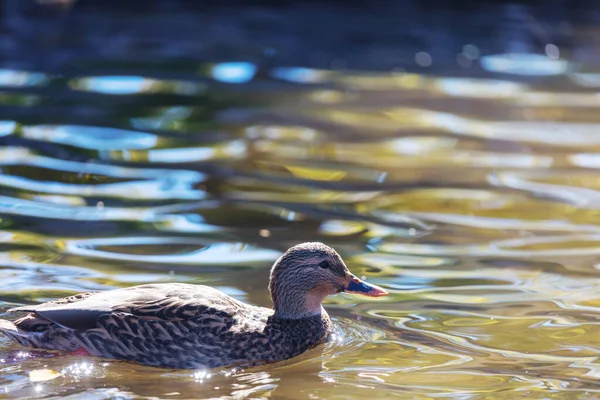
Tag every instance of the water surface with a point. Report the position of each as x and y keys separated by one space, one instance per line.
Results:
x=464 y=180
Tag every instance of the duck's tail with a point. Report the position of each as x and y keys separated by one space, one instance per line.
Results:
x=7 y=327
x=14 y=333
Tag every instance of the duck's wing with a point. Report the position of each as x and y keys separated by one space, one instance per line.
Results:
x=167 y=302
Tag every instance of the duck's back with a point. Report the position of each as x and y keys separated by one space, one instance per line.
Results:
x=168 y=325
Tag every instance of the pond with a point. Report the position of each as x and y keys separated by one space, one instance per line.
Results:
x=455 y=164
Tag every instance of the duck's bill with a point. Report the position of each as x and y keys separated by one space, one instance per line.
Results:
x=366 y=289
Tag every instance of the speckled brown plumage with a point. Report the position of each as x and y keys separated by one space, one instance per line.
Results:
x=179 y=325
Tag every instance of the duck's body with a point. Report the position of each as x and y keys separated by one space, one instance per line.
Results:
x=169 y=325
x=179 y=325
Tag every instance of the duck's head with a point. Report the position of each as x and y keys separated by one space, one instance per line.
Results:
x=307 y=273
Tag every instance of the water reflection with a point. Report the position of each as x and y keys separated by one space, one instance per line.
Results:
x=7 y=127
x=91 y=137
x=115 y=84
x=210 y=255
x=525 y=64
x=127 y=85
x=299 y=75
x=471 y=196
x=234 y=72
x=16 y=78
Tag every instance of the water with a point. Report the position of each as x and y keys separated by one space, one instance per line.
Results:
x=461 y=175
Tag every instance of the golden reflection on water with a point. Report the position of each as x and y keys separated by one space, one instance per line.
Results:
x=474 y=201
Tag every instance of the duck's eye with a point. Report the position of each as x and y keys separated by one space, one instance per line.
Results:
x=324 y=264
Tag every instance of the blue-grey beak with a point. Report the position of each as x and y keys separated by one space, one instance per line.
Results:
x=357 y=286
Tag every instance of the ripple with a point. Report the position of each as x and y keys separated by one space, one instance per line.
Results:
x=22 y=156
x=548 y=246
x=234 y=72
x=559 y=185
x=521 y=338
x=299 y=75
x=231 y=150
x=7 y=127
x=222 y=254
x=114 y=84
x=28 y=280
x=480 y=88
x=31 y=208
x=17 y=78
x=128 y=85
x=472 y=198
x=131 y=189
x=523 y=64
x=91 y=137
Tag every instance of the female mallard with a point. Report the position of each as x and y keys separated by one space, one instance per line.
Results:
x=178 y=325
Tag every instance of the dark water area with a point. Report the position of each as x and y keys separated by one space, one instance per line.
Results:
x=448 y=150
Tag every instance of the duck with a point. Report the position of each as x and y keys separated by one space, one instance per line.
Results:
x=179 y=325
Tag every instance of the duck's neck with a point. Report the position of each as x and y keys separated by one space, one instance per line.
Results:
x=298 y=305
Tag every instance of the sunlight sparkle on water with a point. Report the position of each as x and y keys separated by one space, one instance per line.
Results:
x=79 y=369
x=15 y=78
x=115 y=84
x=524 y=64
x=7 y=127
x=201 y=376
x=234 y=72
x=91 y=137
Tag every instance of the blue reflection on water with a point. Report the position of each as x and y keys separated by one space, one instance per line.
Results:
x=114 y=84
x=92 y=137
x=480 y=87
x=10 y=77
x=7 y=127
x=297 y=74
x=234 y=72
x=221 y=254
x=523 y=64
